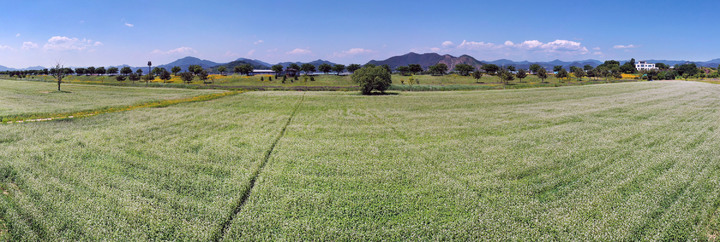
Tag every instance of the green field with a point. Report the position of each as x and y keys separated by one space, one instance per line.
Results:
x=23 y=98
x=625 y=161
x=334 y=82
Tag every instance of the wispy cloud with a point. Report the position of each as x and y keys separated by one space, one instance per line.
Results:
x=5 y=47
x=352 y=52
x=299 y=51
x=17 y=35
x=448 y=44
x=61 y=43
x=129 y=24
x=180 y=50
x=29 y=45
x=258 y=42
x=630 y=46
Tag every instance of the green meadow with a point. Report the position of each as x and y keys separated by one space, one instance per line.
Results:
x=624 y=161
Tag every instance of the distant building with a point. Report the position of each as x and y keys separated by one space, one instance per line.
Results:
x=644 y=66
x=263 y=72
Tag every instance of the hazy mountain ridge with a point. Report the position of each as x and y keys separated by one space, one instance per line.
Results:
x=425 y=60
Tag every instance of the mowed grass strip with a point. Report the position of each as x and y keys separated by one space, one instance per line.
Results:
x=168 y=173
x=26 y=98
x=607 y=162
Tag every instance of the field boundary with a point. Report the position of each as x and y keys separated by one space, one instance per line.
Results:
x=253 y=178
x=93 y=112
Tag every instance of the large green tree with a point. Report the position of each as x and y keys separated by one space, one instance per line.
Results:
x=490 y=68
x=372 y=78
x=325 y=68
x=542 y=74
x=175 y=70
x=521 y=74
x=464 y=69
x=477 y=74
x=534 y=68
x=125 y=71
x=222 y=70
x=338 y=68
x=353 y=67
x=415 y=68
x=112 y=71
x=100 y=70
x=307 y=68
x=404 y=70
x=277 y=69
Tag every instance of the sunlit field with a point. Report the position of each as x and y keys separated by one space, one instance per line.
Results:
x=625 y=161
x=22 y=98
x=335 y=82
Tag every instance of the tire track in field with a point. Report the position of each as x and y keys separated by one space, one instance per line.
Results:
x=253 y=178
x=402 y=136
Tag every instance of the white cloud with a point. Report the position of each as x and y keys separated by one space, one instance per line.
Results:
x=181 y=50
x=630 y=46
x=29 y=45
x=448 y=44
x=251 y=52
x=17 y=35
x=65 y=43
x=597 y=53
x=258 y=42
x=299 y=51
x=566 y=46
x=5 y=47
x=472 y=45
x=434 y=49
x=129 y=24
x=596 y=48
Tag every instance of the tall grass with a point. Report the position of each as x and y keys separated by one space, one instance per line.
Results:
x=627 y=161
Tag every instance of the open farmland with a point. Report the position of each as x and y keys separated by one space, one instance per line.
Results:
x=602 y=162
x=23 y=98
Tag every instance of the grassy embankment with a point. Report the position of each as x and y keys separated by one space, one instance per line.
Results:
x=603 y=162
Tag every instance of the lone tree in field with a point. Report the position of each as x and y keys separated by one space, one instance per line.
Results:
x=415 y=68
x=579 y=73
x=477 y=74
x=542 y=74
x=125 y=71
x=165 y=76
x=307 y=68
x=534 y=68
x=134 y=77
x=325 y=68
x=175 y=70
x=187 y=77
x=404 y=70
x=372 y=78
x=112 y=70
x=439 y=69
x=222 y=70
x=490 y=68
x=464 y=69
x=506 y=76
x=338 y=68
x=562 y=73
x=59 y=73
x=353 y=67
x=521 y=74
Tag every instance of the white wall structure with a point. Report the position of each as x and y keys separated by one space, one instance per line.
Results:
x=644 y=66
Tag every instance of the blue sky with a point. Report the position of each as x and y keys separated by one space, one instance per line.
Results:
x=102 y=33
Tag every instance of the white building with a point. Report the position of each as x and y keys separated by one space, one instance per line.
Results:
x=644 y=66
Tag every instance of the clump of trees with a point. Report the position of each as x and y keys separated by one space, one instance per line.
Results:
x=372 y=78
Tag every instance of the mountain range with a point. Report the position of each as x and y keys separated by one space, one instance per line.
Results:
x=425 y=60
